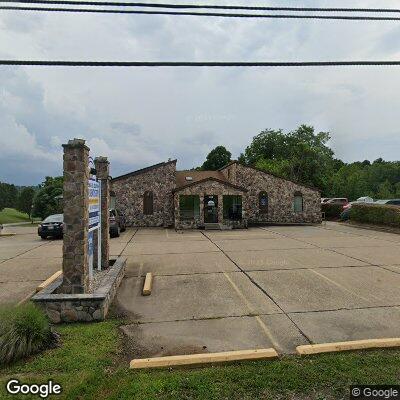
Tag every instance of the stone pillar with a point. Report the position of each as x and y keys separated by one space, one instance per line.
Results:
x=220 y=210
x=103 y=175
x=202 y=209
x=76 y=218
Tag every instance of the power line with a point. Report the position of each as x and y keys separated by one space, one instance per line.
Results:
x=201 y=6
x=197 y=64
x=199 y=14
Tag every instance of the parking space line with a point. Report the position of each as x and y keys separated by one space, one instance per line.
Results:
x=264 y=328
x=342 y=287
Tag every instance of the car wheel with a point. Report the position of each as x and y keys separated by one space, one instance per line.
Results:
x=118 y=231
x=43 y=237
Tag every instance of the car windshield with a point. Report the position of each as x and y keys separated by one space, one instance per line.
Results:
x=55 y=218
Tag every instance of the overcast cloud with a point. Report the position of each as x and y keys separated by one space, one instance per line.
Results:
x=139 y=116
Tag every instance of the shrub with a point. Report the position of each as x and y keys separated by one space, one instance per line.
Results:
x=332 y=211
x=24 y=330
x=376 y=214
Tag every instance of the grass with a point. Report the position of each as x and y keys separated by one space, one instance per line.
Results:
x=10 y=215
x=89 y=366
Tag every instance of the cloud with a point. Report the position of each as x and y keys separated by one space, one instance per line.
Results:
x=140 y=116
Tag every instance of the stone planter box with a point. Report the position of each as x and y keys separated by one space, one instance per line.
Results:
x=85 y=307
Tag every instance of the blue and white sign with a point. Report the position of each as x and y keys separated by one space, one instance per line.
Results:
x=94 y=204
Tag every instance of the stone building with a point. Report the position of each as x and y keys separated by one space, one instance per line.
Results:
x=234 y=196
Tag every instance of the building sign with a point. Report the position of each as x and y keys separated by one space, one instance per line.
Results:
x=94 y=204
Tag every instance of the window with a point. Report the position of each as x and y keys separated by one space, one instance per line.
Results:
x=298 y=202
x=148 y=203
x=232 y=206
x=189 y=207
x=263 y=202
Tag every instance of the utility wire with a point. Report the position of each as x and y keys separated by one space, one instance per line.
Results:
x=201 y=6
x=199 y=14
x=196 y=64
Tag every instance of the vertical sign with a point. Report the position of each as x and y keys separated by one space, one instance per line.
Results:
x=94 y=222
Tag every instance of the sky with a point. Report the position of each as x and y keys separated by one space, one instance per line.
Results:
x=140 y=116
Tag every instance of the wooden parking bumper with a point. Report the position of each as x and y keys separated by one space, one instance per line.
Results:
x=207 y=358
x=48 y=281
x=148 y=282
x=347 y=346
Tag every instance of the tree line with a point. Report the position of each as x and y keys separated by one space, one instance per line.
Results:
x=304 y=156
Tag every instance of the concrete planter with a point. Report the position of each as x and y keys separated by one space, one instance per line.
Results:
x=61 y=307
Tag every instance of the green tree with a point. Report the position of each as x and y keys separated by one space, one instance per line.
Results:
x=385 y=190
x=216 y=159
x=301 y=155
x=8 y=195
x=45 y=201
x=25 y=199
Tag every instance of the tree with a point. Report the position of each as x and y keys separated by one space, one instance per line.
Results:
x=216 y=159
x=301 y=155
x=8 y=195
x=25 y=199
x=45 y=201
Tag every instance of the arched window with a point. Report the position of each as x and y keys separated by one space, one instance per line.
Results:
x=148 y=203
x=298 y=202
x=263 y=202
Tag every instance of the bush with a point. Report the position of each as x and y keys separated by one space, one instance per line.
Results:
x=24 y=330
x=332 y=211
x=378 y=214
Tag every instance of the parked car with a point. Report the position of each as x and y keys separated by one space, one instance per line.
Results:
x=338 y=200
x=394 y=202
x=364 y=199
x=52 y=226
x=324 y=199
x=117 y=222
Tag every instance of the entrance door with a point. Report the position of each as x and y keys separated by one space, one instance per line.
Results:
x=210 y=209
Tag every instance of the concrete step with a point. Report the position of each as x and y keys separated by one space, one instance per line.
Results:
x=212 y=226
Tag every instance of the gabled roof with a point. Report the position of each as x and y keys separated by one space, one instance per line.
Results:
x=268 y=173
x=143 y=170
x=211 y=178
x=196 y=176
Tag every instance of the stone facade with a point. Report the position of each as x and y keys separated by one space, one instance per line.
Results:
x=280 y=196
x=209 y=187
x=234 y=179
x=85 y=307
x=76 y=217
x=102 y=173
x=130 y=189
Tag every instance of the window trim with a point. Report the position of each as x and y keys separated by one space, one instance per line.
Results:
x=148 y=202
x=298 y=194
x=263 y=209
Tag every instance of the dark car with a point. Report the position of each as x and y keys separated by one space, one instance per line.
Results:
x=393 y=202
x=52 y=226
x=117 y=222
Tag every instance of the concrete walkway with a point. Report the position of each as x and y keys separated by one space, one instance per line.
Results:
x=274 y=286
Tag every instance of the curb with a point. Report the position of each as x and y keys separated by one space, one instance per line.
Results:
x=347 y=346
x=205 y=358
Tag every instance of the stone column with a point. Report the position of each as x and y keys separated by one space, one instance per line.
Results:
x=76 y=218
x=103 y=175
x=202 y=209
x=220 y=210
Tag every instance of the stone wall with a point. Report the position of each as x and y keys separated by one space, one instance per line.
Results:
x=129 y=191
x=202 y=189
x=85 y=307
x=280 y=197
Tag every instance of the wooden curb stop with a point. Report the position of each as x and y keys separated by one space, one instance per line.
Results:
x=48 y=281
x=259 y=354
x=346 y=346
x=148 y=282
x=207 y=358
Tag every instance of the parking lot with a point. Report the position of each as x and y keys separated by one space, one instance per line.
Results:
x=275 y=286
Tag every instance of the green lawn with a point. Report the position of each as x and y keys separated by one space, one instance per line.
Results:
x=9 y=215
x=91 y=365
